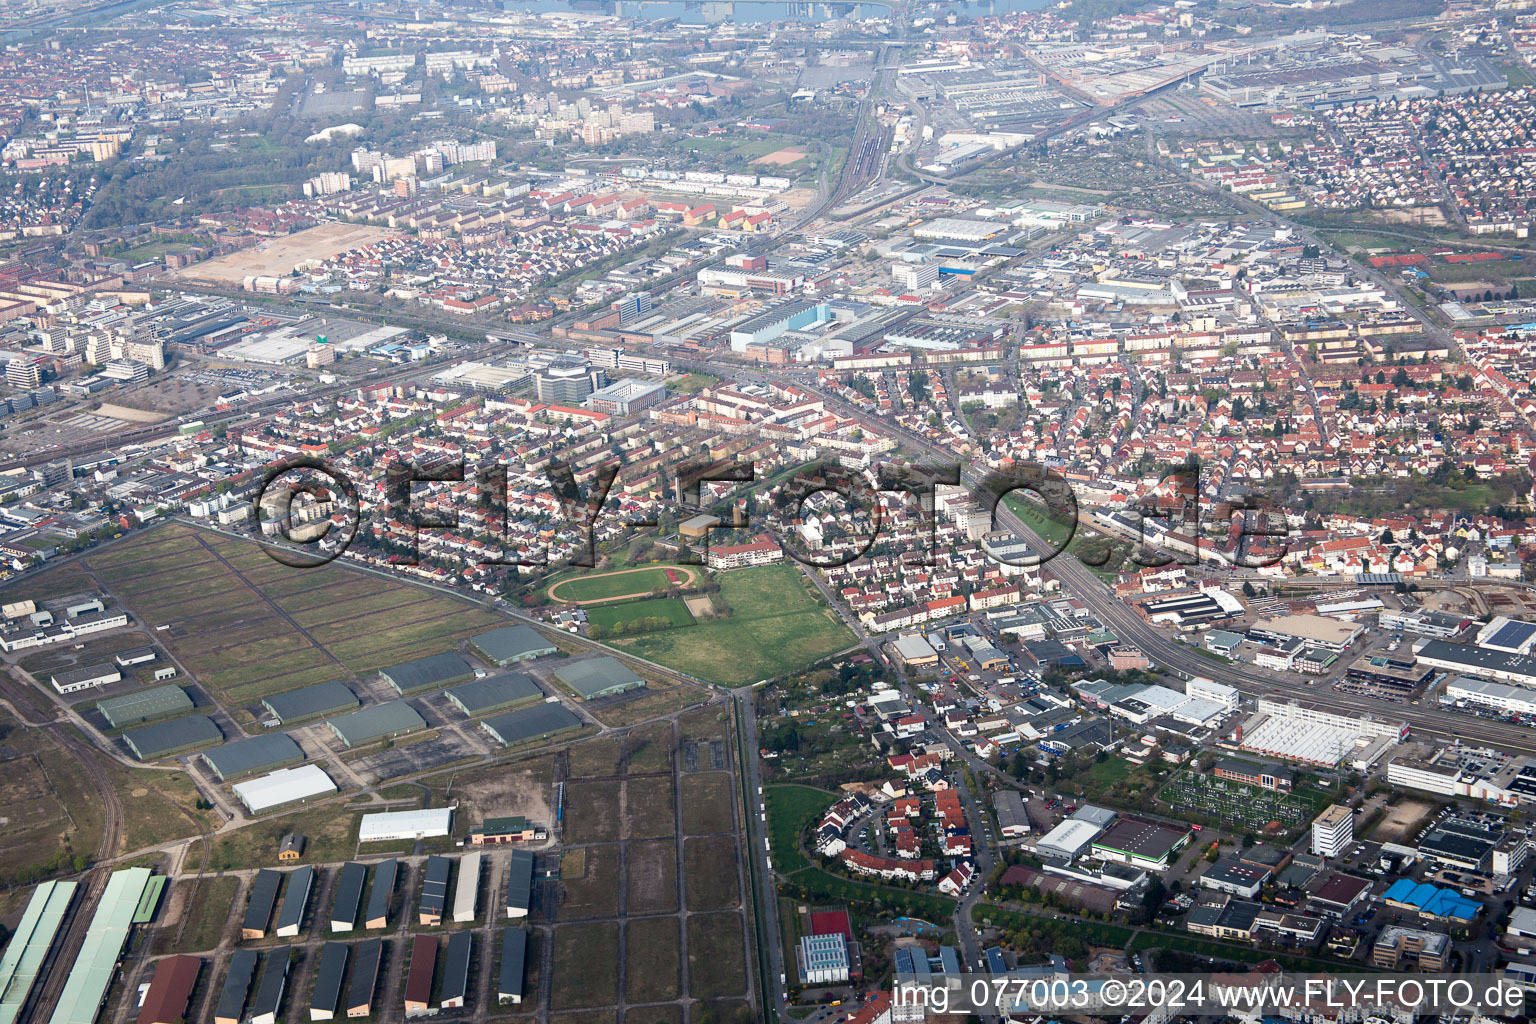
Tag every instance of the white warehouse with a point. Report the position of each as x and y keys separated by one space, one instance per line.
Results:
x=393 y=825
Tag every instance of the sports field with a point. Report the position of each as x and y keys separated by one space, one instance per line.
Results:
x=615 y=616
x=612 y=586
x=775 y=626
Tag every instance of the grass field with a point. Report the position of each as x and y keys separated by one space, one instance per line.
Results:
x=616 y=616
x=709 y=872
x=790 y=809
x=592 y=812
x=717 y=964
x=207 y=915
x=776 y=627
x=586 y=969
x=51 y=808
x=707 y=804
x=652 y=973
x=595 y=893
x=609 y=585
x=650 y=805
x=652 y=871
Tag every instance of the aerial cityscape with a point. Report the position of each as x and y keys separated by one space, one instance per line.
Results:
x=767 y=511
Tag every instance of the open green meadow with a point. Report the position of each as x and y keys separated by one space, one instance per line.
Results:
x=776 y=626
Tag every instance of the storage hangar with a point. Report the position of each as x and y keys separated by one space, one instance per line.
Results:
x=263 y=900
x=498 y=693
x=382 y=721
x=389 y=826
x=511 y=644
x=286 y=786
x=455 y=986
x=170 y=990
x=325 y=1003
x=434 y=890
x=257 y=754
x=349 y=896
x=367 y=956
x=269 y=990
x=598 y=677
x=290 y=919
x=310 y=702
x=514 y=963
x=533 y=723
x=466 y=892
x=23 y=959
x=418 y=979
x=166 y=739
x=105 y=938
x=144 y=706
x=1141 y=843
x=520 y=884
x=428 y=673
x=1067 y=840
x=382 y=894
x=77 y=679
x=230 y=1008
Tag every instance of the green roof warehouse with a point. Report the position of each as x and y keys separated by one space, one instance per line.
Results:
x=144 y=706
x=511 y=643
x=311 y=701
x=592 y=678
x=427 y=673
x=498 y=693
x=395 y=718
x=257 y=754
x=530 y=724
x=166 y=739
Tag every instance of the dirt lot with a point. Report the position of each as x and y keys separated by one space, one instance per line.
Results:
x=507 y=790
x=278 y=257
x=1401 y=816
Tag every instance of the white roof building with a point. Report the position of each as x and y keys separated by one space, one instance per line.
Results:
x=285 y=786
x=1068 y=839
x=392 y=825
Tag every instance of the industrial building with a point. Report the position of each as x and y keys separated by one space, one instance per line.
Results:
x=282 y=787
x=325 y=1002
x=603 y=676
x=1311 y=630
x=520 y=884
x=170 y=990
x=420 y=975
x=349 y=896
x=261 y=903
x=382 y=721
x=509 y=644
x=538 y=722
x=466 y=891
x=230 y=1008
x=389 y=826
x=167 y=739
x=434 y=890
x=1067 y=840
x=496 y=693
x=256 y=754
x=90 y=976
x=290 y=917
x=1468 y=659
x=366 y=958
x=514 y=964
x=1465 y=690
x=76 y=679
x=1141 y=843
x=144 y=706
x=382 y=895
x=22 y=962
x=766 y=325
x=455 y=981
x=428 y=673
x=1012 y=818
x=268 y=999
x=331 y=698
